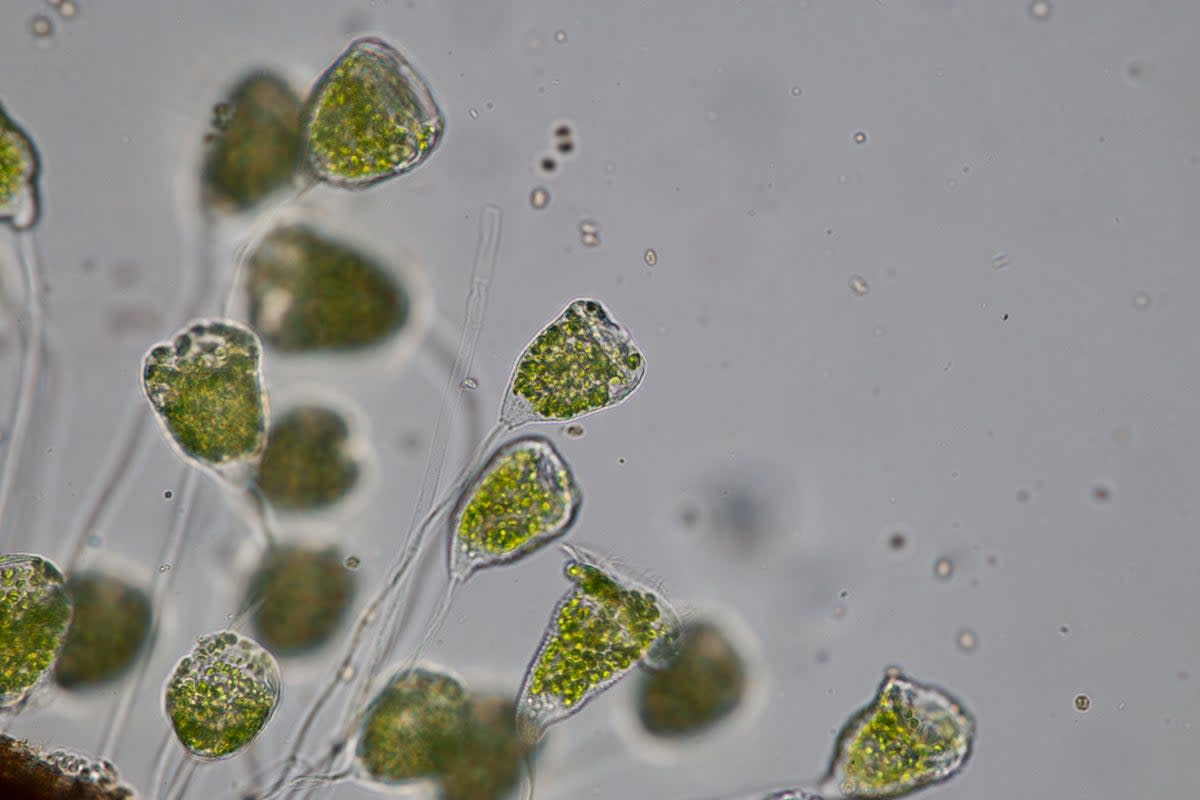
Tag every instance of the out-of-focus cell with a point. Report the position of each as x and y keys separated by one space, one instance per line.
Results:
x=256 y=150
x=222 y=695
x=607 y=624
x=309 y=292
x=410 y=729
x=910 y=736
x=583 y=361
x=29 y=774
x=300 y=595
x=523 y=498
x=486 y=763
x=703 y=684
x=18 y=175
x=110 y=627
x=308 y=463
x=35 y=613
x=370 y=117
x=206 y=389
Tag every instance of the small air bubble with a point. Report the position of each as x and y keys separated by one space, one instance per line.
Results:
x=859 y=285
x=860 y=137
x=650 y=257
x=797 y=91
x=1040 y=9
x=1000 y=261
x=352 y=562
x=168 y=494
x=540 y=197
x=560 y=37
x=943 y=568
x=41 y=26
x=1082 y=702
x=967 y=641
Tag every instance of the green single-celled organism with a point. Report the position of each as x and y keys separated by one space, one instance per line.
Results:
x=581 y=362
x=486 y=763
x=206 y=389
x=411 y=729
x=524 y=497
x=299 y=595
x=370 y=116
x=35 y=613
x=703 y=684
x=222 y=695
x=110 y=627
x=30 y=774
x=911 y=735
x=256 y=149
x=601 y=629
x=18 y=175
x=310 y=292
x=308 y=463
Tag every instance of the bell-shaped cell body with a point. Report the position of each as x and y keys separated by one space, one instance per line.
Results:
x=523 y=498
x=18 y=175
x=35 y=614
x=582 y=362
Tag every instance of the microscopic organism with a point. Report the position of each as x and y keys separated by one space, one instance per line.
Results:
x=523 y=498
x=256 y=148
x=910 y=736
x=300 y=595
x=410 y=729
x=311 y=292
x=206 y=389
x=309 y=462
x=703 y=684
x=486 y=762
x=29 y=774
x=18 y=175
x=370 y=116
x=608 y=623
x=583 y=361
x=110 y=627
x=221 y=695
x=35 y=613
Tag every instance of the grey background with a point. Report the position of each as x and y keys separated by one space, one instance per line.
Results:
x=1067 y=144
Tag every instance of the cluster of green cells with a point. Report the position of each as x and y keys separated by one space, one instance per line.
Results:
x=310 y=292
x=581 y=362
x=222 y=695
x=30 y=774
x=205 y=386
x=18 y=173
x=256 y=149
x=35 y=613
x=703 y=684
x=110 y=626
x=370 y=116
x=910 y=736
x=523 y=498
x=308 y=463
x=598 y=632
x=300 y=595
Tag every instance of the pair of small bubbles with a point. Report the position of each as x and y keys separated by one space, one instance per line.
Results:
x=42 y=26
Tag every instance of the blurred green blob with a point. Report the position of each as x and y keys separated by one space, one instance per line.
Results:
x=222 y=695
x=301 y=596
x=485 y=764
x=35 y=613
x=524 y=497
x=599 y=631
x=205 y=386
x=256 y=149
x=702 y=685
x=18 y=174
x=29 y=774
x=581 y=362
x=911 y=735
x=370 y=116
x=111 y=625
x=411 y=729
x=307 y=464
x=309 y=292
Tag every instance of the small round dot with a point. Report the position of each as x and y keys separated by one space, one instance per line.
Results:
x=574 y=430
x=967 y=641
x=860 y=137
x=943 y=568
x=797 y=91
x=566 y=147
x=548 y=164
x=858 y=285
x=41 y=26
x=1102 y=493
x=68 y=9
x=650 y=257
x=539 y=198
x=560 y=37
x=352 y=562
x=1040 y=9
x=164 y=568
x=897 y=541
x=1064 y=630
x=1082 y=702
x=1141 y=300
x=168 y=494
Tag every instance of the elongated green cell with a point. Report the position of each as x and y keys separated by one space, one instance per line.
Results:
x=583 y=361
x=308 y=463
x=110 y=627
x=18 y=175
x=300 y=595
x=599 y=631
x=310 y=292
x=370 y=117
x=910 y=736
x=703 y=684
x=256 y=150
x=524 y=497
x=411 y=728
x=222 y=695
x=35 y=613
x=206 y=389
